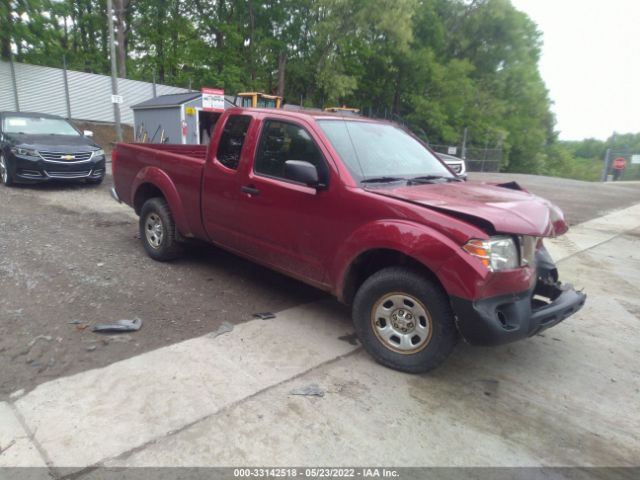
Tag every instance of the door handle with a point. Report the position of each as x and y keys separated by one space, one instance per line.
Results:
x=251 y=190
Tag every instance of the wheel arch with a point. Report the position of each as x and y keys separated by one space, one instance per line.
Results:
x=143 y=193
x=371 y=261
x=152 y=182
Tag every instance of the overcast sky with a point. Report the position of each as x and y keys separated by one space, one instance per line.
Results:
x=590 y=63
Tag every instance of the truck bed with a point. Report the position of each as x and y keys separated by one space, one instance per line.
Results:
x=181 y=166
x=198 y=152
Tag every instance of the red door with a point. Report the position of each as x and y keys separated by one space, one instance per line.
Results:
x=292 y=226
x=222 y=181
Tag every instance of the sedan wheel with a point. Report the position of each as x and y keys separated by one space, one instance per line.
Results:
x=5 y=174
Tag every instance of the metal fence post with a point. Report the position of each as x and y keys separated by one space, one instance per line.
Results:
x=66 y=86
x=484 y=159
x=15 y=84
x=464 y=144
x=605 y=169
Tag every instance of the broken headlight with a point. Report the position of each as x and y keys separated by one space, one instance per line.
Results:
x=496 y=253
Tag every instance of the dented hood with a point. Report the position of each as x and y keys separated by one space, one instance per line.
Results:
x=505 y=209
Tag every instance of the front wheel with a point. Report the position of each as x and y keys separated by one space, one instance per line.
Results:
x=5 y=173
x=158 y=230
x=404 y=320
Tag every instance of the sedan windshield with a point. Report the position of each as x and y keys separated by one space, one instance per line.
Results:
x=381 y=153
x=38 y=126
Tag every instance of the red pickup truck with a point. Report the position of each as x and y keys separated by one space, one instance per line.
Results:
x=364 y=210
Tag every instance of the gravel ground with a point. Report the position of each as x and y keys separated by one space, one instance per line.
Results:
x=70 y=258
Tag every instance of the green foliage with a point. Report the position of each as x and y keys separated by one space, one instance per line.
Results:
x=588 y=156
x=438 y=66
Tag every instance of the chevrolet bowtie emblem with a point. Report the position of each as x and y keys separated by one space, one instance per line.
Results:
x=68 y=157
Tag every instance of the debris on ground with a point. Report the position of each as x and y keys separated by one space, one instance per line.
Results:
x=116 y=339
x=90 y=348
x=225 y=327
x=264 y=315
x=312 y=390
x=17 y=394
x=119 y=326
x=489 y=386
x=40 y=337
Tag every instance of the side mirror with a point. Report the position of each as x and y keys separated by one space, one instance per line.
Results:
x=302 y=172
x=88 y=133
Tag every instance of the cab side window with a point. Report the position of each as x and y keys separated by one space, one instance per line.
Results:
x=282 y=141
x=232 y=140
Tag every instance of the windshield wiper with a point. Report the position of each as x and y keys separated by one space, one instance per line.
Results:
x=383 y=179
x=430 y=178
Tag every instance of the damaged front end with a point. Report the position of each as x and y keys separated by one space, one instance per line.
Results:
x=508 y=318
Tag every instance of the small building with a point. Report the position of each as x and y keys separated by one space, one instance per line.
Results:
x=175 y=118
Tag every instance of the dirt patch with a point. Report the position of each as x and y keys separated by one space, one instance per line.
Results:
x=104 y=134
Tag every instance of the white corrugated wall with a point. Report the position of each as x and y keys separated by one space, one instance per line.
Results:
x=41 y=89
x=7 y=100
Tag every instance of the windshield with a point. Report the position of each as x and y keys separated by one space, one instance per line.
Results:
x=375 y=150
x=38 y=126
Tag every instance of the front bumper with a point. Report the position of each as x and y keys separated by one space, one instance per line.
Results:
x=508 y=318
x=31 y=170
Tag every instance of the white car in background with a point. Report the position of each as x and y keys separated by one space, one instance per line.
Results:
x=454 y=163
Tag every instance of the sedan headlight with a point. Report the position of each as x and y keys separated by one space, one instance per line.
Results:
x=24 y=152
x=497 y=253
x=98 y=153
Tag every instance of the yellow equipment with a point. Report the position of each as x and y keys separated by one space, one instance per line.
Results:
x=342 y=109
x=258 y=100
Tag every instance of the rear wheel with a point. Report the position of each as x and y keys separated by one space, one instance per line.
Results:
x=404 y=320
x=158 y=230
x=5 y=173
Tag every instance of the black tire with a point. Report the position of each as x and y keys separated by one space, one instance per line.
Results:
x=95 y=181
x=6 y=175
x=402 y=287
x=163 y=247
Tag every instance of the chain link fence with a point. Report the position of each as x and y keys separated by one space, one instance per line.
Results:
x=478 y=159
x=631 y=170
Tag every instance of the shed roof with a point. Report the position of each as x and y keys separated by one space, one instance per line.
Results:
x=170 y=100
x=177 y=99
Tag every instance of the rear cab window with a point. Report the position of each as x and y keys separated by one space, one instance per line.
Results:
x=232 y=140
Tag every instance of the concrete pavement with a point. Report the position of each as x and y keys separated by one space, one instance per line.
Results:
x=568 y=397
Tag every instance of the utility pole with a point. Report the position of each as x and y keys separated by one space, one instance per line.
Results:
x=114 y=72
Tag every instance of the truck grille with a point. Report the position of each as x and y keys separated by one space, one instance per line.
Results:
x=65 y=157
